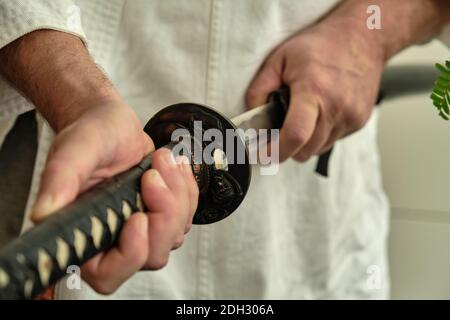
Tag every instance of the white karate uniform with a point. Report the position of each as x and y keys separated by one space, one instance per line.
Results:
x=297 y=234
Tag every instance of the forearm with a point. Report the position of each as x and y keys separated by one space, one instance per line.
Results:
x=403 y=22
x=55 y=72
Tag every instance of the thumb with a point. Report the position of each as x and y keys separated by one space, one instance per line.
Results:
x=267 y=79
x=70 y=164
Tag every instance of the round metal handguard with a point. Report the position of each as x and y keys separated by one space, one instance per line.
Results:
x=222 y=185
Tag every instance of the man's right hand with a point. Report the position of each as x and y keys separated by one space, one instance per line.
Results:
x=98 y=136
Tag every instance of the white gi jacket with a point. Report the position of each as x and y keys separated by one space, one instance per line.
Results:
x=297 y=234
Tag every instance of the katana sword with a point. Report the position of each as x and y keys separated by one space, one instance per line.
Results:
x=92 y=223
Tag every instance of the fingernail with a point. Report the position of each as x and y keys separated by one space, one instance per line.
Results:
x=43 y=207
x=183 y=163
x=182 y=160
x=155 y=178
x=169 y=158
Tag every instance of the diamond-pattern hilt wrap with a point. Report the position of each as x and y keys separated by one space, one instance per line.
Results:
x=93 y=222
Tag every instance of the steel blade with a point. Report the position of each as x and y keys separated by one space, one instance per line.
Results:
x=266 y=116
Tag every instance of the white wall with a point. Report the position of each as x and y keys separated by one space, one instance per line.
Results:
x=415 y=151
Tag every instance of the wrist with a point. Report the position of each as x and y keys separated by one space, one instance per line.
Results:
x=401 y=25
x=351 y=18
x=61 y=114
x=56 y=73
x=62 y=120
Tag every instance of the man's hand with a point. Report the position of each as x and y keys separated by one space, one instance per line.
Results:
x=334 y=68
x=105 y=140
x=333 y=77
x=97 y=136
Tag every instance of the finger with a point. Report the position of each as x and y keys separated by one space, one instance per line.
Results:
x=69 y=166
x=165 y=195
x=300 y=121
x=148 y=144
x=164 y=161
x=192 y=186
x=336 y=134
x=160 y=201
x=107 y=271
x=155 y=192
x=317 y=141
x=175 y=176
x=267 y=79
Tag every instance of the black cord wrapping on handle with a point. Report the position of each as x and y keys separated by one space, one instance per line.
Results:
x=71 y=236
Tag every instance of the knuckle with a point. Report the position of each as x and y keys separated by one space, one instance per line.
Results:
x=157 y=263
x=178 y=242
x=188 y=227
x=318 y=87
x=302 y=157
x=297 y=136
x=103 y=287
x=252 y=93
x=356 y=118
x=333 y=112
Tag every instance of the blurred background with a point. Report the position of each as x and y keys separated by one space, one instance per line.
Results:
x=415 y=151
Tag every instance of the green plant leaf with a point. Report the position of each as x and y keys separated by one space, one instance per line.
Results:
x=443 y=83
x=436 y=97
x=444 y=70
x=447 y=64
x=441 y=91
x=443 y=116
x=442 y=88
x=445 y=108
x=444 y=78
x=438 y=105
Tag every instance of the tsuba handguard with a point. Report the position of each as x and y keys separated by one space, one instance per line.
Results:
x=222 y=189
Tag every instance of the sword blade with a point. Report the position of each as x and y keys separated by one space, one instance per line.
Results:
x=267 y=116
x=257 y=118
x=252 y=122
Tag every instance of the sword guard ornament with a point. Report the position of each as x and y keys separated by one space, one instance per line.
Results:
x=222 y=184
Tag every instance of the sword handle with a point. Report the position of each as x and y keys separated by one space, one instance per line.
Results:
x=72 y=235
